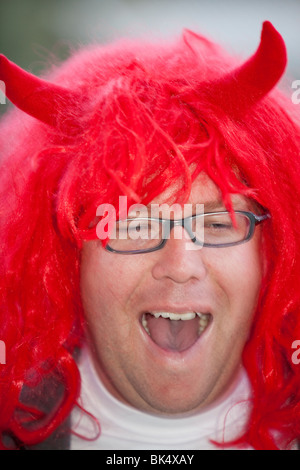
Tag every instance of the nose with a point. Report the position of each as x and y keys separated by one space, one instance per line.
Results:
x=178 y=260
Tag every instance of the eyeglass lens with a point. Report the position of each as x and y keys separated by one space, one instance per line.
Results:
x=211 y=229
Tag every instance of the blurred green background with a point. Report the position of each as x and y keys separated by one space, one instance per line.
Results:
x=35 y=31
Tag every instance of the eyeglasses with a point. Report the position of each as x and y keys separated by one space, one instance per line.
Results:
x=211 y=229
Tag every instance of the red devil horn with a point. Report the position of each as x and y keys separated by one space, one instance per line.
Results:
x=39 y=98
x=246 y=85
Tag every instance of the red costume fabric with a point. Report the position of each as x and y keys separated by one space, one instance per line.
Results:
x=131 y=118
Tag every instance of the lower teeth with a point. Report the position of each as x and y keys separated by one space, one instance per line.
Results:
x=145 y=324
x=203 y=322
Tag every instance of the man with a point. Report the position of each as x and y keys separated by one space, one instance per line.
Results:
x=177 y=322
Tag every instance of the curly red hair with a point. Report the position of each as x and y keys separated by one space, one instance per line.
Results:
x=145 y=123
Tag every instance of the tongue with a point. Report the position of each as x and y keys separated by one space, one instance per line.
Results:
x=175 y=335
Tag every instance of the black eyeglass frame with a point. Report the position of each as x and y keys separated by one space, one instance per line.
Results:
x=171 y=223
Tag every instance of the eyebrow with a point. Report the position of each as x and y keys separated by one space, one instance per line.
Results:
x=218 y=204
x=211 y=206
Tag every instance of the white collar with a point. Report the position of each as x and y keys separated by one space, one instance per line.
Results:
x=124 y=427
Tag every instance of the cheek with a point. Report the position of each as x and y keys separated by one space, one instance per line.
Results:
x=237 y=280
x=95 y=283
x=101 y=299
x=251 y=268
x=246 y=275
x=238 y=273
x=107 y=281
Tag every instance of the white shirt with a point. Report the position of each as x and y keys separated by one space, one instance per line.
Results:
x=126 y=428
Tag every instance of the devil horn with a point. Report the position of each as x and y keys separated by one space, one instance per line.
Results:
x=39 y=98
x=246 y=85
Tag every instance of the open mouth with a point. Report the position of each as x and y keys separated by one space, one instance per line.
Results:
x=175 y=331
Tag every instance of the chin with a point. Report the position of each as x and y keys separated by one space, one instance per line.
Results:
x=175 y=405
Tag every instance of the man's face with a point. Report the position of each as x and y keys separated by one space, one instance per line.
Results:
x=176 y=369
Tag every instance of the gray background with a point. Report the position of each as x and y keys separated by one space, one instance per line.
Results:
x=33 y=31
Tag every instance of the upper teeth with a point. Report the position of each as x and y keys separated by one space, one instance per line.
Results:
x=177 y=316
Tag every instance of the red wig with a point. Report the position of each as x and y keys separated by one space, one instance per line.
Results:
x=131 y=119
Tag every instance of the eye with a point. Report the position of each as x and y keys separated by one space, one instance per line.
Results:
x=216 y=223
x=138 y=229
x=219 y=226
x=142 y=226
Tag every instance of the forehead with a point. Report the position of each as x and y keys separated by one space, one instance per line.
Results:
x=205 y=191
